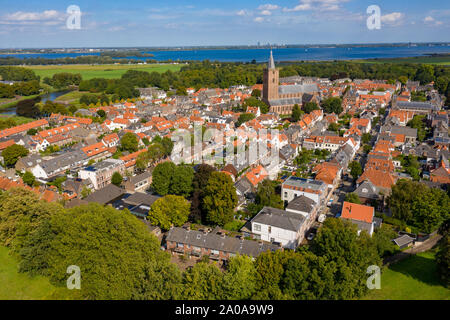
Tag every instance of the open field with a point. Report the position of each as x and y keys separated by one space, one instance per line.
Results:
x=414 y=278
x=101 y=71
x=439 y=60
x=18 y=120
x=19 y=286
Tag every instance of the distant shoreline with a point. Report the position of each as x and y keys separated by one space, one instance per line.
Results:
x=214 y=47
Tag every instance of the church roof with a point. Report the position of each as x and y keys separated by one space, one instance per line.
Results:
x=271 y=61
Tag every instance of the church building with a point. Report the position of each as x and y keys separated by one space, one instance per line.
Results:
x=282 y=99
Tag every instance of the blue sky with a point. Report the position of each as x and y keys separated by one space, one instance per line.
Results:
x=29 y=23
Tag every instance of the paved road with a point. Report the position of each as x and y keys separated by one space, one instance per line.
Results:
x=418 y=248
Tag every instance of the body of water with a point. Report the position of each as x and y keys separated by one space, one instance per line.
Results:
x=44 y=98
x=261 y=55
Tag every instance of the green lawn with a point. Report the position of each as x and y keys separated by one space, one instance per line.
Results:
x=414 y=278
x=101 y=71
x=19 y=286
x=73 y=95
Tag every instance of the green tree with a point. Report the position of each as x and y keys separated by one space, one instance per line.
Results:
x=169 y=210
x=418 y=205
x=334 y=127
x=13 y=153
x=239 y=281
x=383 y=237
x=167 y=145
x=28 y=178
x=85 y=192
x=296 y=113
x=21 y=212
x=353 y=198
x=220 y=199
x=203 y=282
x=355 y=169
x=366 y=138
x=201 y=177
x=443 y=261
x=118 y=257
x=332 y=105
x=156 y=152
x=101 y=113
x=129 y=142
x=245 y=117
x=256 y=93
x=266 y=196
x=162 y=177
x=32 y=132
x=182 y=181
x=310 y=107
x=116 y=179
x=424 y=74
x=349 y=254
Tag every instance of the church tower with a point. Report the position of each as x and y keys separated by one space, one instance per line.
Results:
x=271 y=81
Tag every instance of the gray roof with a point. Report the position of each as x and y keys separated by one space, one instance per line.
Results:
x=243 y=186
x=407 y=131
x=301 y=204
x=286 y=102
x=106 y=195
x=139 y=198
x=367 y=190
x=414 y=105
x=280 y=218
x=72 y=159
x=306 y=183
x=214 y=241
x=140 y=177
x=298 y=88
x=403 y=240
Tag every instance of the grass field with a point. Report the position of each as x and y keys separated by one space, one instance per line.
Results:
x=71 y=96
x=414 y=278
x=101 y=71
x=19 y=286
x=19 y=120
x=441 y=60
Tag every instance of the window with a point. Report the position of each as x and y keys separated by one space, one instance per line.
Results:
x=257 y=227
x=270 y=229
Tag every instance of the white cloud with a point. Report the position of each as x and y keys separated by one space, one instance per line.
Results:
x=35 y=16
x=268 y=7
x=432 y=21
x=317 y=5
x=394 y=18
x=259 y=19
x=266 y=12
x=47 y=17
x=241 y=13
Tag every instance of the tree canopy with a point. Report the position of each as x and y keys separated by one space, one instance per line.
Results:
x=169 y=211
x=13 y=153
x=220 y=199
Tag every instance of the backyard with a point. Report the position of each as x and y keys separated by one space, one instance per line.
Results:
x=414 y=278
x=19 y=286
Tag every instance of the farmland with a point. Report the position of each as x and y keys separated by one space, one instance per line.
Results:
x=101 y=71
